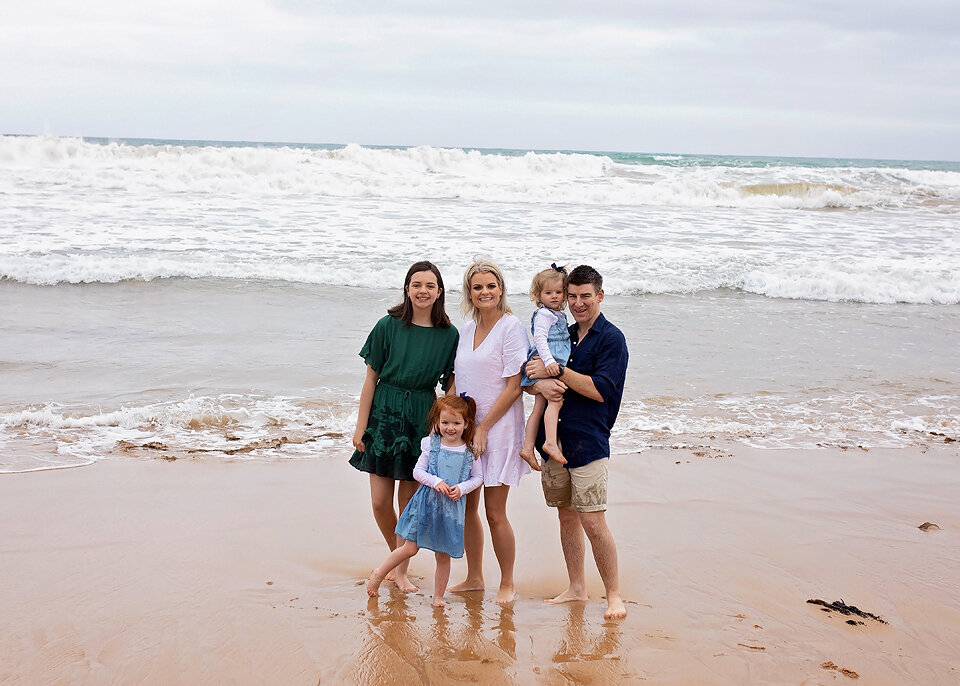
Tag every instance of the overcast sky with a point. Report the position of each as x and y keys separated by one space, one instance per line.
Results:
x=857 y=78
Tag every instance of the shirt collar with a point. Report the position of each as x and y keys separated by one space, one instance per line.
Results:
x=599 y=324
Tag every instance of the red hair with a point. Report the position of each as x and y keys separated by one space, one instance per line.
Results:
x=466 y=407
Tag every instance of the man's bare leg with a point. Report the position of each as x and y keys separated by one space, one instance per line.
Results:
x=473 y=546
x=605 y=553
x=572 y=543
x=528 y=451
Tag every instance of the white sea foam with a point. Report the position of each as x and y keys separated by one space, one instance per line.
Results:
x=236 y=426
x=80 y=212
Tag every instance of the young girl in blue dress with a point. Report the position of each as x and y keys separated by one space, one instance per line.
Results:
x=551 y=341
x=433 y=519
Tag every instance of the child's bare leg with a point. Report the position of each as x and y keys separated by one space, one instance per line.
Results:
x=405 y=491
x=400 y=554
x=530 y=432
x=441 y=579
x=550 y=445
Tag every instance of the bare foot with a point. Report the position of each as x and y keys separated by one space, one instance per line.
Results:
x=373 y=584
x=439 y=602
x=530 y=457
x=404 y=584
x=553 y=450
x=615 y=608
x=467 y=585
x=505 y=596
x=568 y=596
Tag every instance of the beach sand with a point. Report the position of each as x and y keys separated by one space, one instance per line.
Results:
x=139 y=570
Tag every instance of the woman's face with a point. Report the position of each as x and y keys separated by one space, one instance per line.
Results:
x=423 y=290
x=485 y=291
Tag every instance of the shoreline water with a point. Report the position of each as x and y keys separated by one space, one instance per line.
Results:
x=254 y=370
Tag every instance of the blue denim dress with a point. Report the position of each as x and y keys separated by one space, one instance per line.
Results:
x=558 y=340
x=431 y=519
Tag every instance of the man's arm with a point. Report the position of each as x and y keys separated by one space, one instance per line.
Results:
x=577 y=382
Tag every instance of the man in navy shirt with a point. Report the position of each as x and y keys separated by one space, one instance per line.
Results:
x=591 y=385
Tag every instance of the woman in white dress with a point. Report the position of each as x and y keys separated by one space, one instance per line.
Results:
x=492 y=347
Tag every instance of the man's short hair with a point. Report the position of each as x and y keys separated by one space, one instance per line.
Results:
x=584 y=274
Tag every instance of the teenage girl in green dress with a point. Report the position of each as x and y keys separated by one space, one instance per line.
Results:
x=407 y=354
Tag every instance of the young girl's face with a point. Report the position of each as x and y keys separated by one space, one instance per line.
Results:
x=552 y=295
x=451 y=425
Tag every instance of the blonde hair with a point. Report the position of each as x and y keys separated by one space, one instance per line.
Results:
x=482 y=267
x=544 y=277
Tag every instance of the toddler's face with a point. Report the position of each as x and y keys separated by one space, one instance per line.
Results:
x=552 y=295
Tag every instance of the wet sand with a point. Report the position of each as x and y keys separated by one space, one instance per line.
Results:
x=204 y=570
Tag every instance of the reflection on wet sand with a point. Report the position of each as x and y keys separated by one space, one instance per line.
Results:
x=409 y=642
x=585 y=654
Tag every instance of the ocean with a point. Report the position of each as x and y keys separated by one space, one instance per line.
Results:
x=184 y=298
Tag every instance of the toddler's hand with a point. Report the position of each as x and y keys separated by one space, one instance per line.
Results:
x=552 y=369
x=442 y=488
x=454 y=493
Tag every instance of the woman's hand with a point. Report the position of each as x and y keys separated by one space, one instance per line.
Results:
x=479 y=440
x=358 y=439
x=454 y=493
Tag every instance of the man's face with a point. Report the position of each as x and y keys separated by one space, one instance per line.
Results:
x=584 y=302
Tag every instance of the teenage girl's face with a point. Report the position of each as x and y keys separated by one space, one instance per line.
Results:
x=485 y=291
x=451 y=426
x=552 y=295
x=423 y=290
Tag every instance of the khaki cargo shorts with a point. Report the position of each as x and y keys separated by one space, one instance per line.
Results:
x=583 y=489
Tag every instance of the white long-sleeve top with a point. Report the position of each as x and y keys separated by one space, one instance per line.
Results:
x=544 y=319
x=420 y=473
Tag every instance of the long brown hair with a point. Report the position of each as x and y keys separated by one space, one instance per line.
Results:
x=438 y=313
x=463 y=405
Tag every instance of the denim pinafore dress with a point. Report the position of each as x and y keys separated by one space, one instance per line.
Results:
x=431 y=519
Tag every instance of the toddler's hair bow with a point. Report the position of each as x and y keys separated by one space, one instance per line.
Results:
x=562 y=270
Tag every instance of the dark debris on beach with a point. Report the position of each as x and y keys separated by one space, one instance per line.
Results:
x=844 y=609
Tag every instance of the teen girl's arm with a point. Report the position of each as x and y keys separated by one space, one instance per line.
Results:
x=451 y=385
x=366 y=402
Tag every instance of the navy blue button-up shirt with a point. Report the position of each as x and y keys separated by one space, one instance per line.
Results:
x=585 y=424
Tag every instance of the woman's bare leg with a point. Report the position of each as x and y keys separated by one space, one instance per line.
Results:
x=473 y=546
x=504 y=542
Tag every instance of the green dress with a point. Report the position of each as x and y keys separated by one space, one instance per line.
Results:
x=410 y=362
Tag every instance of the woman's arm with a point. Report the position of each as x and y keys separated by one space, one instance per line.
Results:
x=507 y=397
x=366 y=402
x=451 y=385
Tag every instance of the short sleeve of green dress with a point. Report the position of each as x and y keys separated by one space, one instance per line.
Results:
x=410 y=362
